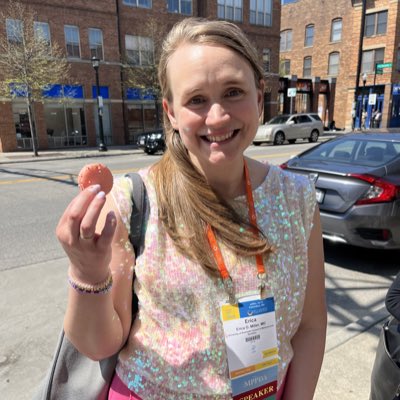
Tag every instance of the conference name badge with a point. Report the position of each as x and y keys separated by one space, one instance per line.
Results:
x=251 y=343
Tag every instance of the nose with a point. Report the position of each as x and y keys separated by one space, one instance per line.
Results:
x=216 y=114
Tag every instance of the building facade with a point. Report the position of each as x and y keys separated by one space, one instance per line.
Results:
x=352 y=44
x=113 y=31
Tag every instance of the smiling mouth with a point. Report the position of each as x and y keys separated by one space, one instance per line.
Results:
x=220 y=138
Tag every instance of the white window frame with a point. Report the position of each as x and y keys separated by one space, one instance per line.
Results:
x=72 y=29
x=96 y=45
x=141 y=45
x=43 y=33
x=369 y=59
x=14 y=30
x=179 y=5
x=307 y=69
x=336 y=33
x=286 y=40
x=261 y=12
x=309 y=39
x=138 y=3
x=333 y=68
x=224 y=6
x=375 y=23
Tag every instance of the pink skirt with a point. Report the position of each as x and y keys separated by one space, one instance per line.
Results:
x=119 y=391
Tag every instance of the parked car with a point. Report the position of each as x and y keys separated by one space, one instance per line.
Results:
x=151 y=142
x=290 y=127
x=357 y=181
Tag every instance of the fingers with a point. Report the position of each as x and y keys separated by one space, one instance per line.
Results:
x=108 y=231
x=90 y=201
x=88 y=223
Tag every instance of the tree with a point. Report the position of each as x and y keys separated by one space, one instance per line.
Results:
x=29 y=63
x=141 y=66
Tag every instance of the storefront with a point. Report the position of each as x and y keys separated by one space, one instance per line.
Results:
x=144 y=114
x=307 y=95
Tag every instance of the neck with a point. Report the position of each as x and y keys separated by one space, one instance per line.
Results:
x=229 y=181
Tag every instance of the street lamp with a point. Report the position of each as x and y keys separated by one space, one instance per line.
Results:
x=96 y=64
x=364 y=79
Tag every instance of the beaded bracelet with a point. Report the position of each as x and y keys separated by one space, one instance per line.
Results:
x=99 y=288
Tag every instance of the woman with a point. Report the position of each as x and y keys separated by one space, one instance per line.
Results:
x=222 y=228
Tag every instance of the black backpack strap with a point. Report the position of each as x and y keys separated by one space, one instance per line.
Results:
x=139 y=214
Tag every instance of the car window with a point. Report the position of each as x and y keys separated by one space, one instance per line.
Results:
x=303 y=119
x=355 y=151
x=280 y=119
x=316 y=117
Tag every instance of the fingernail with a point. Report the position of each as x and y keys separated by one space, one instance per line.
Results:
x=94 y=188
x=101 y=195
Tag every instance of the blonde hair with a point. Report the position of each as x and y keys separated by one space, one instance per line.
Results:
x=186 y=201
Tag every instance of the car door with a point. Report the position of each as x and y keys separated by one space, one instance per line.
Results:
x=305 y=126
x=291 y=128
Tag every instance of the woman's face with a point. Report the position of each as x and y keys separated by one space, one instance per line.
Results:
x=215 y=104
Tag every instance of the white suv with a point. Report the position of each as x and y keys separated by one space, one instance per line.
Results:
x=290 y=127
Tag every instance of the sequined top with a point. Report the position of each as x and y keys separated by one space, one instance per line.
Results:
x=176 y=348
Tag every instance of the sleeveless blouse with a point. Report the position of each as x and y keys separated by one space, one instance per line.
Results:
x=176 y=347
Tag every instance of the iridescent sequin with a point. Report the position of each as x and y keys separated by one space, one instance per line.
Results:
x=176 y=348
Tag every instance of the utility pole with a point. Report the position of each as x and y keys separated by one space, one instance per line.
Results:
x=359 y=59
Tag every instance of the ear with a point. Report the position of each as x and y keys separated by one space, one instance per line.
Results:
x=260 y=97
x=169 y=110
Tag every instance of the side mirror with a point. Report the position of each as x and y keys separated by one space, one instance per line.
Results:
x=291 y=122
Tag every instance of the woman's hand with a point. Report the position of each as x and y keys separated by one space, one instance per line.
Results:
x=88 y=250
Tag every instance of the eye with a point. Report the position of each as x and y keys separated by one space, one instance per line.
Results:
x=234 y=92
x=196 y=101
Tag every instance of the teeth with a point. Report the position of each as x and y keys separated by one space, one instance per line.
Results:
x=219 y=138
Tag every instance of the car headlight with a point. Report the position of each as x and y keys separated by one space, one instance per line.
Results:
x=155 y=136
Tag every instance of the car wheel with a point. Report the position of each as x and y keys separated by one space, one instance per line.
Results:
x=256 y=143
x=279 y=138
x=291 y=141
x=314 y=136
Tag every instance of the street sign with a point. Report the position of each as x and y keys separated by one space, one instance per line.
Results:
x=372 y=99
x=291 y=92
x=378 y=71
x=383 y=65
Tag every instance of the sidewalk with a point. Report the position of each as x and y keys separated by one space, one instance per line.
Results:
x=86 y=152
x=63 y=154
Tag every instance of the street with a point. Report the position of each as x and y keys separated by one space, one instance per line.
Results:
x=33 y=265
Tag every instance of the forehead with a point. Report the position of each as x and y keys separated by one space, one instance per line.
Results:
x=200 y=63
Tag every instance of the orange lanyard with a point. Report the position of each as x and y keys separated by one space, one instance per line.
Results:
x=226 y=278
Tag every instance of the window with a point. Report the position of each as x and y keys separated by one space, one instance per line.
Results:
x=376 y=23
x=139 y=50
x=230 y=9
x=286 y=40
x=370 y=58
x=309 y=36
x=285 y=67
x=333 y=67
x=307 y=66
x=261 y=12
x=138 y=3
x=42 y=31
x=180 y=6
x=72 y=41
x=267 y=60
x=336 y=30
x=14 y=28
x=96 y=43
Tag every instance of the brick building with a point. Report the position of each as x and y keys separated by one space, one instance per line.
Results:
x=113 y=31
x=323 y=41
